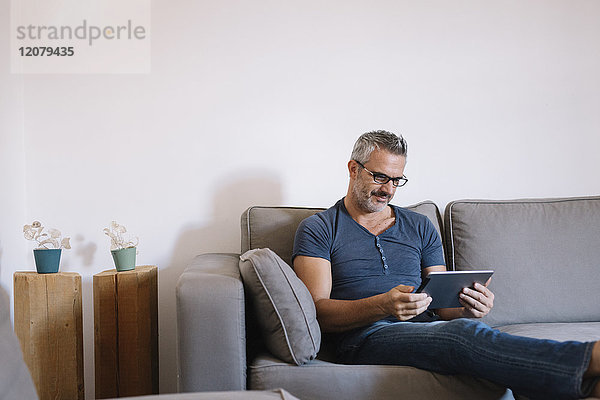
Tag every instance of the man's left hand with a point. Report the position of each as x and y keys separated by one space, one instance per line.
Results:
x=477 y=302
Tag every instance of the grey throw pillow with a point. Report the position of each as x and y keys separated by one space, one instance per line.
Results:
x=283 y=305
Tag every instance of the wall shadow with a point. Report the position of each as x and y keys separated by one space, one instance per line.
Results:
x=85 y=251
x=220 y=234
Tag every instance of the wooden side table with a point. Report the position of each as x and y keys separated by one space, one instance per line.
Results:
x=126 y=332
x=48 y=323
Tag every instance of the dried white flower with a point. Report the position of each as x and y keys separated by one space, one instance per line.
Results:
x=54 y=233
x=35 y=232
x=117 y=241
x=65 y=243
x=29 y=232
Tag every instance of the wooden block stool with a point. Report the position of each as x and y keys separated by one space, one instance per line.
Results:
x=126 y=332
x=48 y=323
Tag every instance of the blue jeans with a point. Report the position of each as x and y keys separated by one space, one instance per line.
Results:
x=532 y=367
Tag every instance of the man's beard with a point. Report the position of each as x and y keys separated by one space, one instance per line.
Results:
x=364 y=198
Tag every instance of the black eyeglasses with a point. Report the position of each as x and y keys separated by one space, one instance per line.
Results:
x=382 y=179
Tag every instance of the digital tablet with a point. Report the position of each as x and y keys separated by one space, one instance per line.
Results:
x=444 y=287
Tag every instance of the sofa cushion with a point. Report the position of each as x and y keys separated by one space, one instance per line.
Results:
x=544 y=252
x=323 y=380
x=561 y=332
x=275 y=227
x=283 y=306
x=276 y=394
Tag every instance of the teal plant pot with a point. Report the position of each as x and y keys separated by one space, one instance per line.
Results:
x=124 y=258
x=47 y=260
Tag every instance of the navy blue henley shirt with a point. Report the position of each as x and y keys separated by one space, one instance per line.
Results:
x=362 y=264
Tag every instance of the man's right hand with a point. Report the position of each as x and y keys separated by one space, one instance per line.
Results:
x=403 y=304
x=343 y=315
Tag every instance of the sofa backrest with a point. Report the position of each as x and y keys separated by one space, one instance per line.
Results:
x=275 y=227
x=545 y=253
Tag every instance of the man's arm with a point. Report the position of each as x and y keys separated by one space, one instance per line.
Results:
x=342 y=315
x=476 y=302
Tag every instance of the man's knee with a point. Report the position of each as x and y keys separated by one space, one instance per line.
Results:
x=468 y=326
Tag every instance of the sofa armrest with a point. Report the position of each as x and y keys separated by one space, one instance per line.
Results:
x=211 y=328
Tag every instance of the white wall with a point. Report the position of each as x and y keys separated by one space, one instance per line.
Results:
x=260 y=102
x=13 y=250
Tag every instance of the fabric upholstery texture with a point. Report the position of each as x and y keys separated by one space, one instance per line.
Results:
x=211 y=325
x=275 y=394
x=321 y=380
x=544 y=252
x=273 y=228
x=283 y=306
x=561 y=332
x=15 y=380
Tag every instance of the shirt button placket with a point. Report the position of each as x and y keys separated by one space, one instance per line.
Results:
x=386 y=270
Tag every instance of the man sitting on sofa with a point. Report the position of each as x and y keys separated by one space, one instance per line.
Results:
x=361 y=260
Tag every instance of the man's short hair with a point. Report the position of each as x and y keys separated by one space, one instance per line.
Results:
x=381 y=140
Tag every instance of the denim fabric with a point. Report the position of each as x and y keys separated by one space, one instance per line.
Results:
x=531 y=367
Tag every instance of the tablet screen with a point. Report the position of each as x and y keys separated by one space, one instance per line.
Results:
x=444 y=287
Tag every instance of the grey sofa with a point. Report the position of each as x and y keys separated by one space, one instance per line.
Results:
x=545 y=253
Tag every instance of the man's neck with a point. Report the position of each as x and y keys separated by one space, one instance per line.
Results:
x=368 y=219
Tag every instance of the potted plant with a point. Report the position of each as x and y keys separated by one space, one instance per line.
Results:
x=49 y=247
x=123 y=250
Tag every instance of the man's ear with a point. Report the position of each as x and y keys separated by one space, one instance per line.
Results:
x=353 y=168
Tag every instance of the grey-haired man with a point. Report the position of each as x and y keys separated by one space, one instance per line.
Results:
x=361 y=260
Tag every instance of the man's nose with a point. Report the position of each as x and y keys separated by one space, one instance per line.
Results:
x=388 y=187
